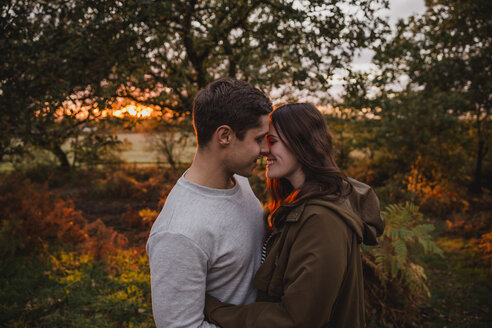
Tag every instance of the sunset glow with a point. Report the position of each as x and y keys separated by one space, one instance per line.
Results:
x=136 y=111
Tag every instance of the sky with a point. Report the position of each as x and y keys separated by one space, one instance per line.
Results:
x=405 y=8
x=399 y=9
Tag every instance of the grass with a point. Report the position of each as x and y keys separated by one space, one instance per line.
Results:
x=69 y=289
x=461 y=287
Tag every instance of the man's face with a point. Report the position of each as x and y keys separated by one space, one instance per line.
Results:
x=243 y=155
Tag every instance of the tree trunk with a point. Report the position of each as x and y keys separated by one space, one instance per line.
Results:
x=62 y=157
x=476 y=185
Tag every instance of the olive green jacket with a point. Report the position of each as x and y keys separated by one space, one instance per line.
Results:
x=312 y=275
x=364 y=202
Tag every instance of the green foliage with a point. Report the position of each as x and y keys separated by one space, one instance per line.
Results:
x=395 y=280
x=343 y=128
x=10 y=240
x=63 y=62
x=404 y=229
x=58 y=59
x=267 y=43
x=68 y=289
x=431 y=91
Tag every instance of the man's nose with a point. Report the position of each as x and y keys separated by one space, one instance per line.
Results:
x=264 y=149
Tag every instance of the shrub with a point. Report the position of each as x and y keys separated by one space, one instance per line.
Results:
x=362 y=171
x=103 y=240
x=485 y=247
x=258 y=184
x=118 y=185
x=60 y=288
x=395 y=283
x=148 y=217
x=144 y=187
x=469 y=224
x=392 y=192
x=34 y=217
x=435 y=193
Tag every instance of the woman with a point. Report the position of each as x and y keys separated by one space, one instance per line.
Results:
x=312 y=274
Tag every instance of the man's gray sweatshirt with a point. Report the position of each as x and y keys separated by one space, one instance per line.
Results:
x=204 y=241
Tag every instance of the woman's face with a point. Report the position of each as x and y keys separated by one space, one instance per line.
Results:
x=281 y=162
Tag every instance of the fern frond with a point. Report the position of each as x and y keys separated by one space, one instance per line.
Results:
x=404 y=230
x=423 y=229
x=429 y=246
x=400 y=251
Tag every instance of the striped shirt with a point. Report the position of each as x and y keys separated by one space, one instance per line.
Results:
x=264 y=248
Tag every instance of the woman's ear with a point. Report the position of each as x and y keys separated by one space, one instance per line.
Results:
x=224 y=135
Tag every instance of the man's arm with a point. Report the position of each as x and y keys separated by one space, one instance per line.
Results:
x=178 y=272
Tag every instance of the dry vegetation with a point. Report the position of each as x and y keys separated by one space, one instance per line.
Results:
x=74 y=244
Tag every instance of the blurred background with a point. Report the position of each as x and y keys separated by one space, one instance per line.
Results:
x=95 y=129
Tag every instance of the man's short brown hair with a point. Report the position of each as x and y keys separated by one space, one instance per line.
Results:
x=231 y=102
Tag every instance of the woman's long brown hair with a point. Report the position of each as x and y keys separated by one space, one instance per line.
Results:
x=302 y=128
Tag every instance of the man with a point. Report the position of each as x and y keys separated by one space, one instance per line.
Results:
x=207 y=238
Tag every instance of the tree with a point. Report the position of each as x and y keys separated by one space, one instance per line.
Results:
x=64 y=61
x=267 y=43
x=61 y=62
x=434 y=85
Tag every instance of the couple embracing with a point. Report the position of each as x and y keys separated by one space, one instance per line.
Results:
x=217 y=259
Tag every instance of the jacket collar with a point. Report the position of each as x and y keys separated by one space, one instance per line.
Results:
x=296 y=213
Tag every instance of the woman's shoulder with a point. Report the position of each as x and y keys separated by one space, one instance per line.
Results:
x=315 y=207
x=326 y=205
x=323 y=212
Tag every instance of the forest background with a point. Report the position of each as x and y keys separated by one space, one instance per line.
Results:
x=78 y=79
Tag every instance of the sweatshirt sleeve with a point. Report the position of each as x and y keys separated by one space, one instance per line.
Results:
x=178 y=272
x=313 y=277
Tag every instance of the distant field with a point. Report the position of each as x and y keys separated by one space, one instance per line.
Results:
x=141 y=150
x=138 y=151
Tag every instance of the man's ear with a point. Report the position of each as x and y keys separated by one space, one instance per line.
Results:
x=224 y=135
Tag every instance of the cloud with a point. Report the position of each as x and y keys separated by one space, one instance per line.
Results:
x=404 y=8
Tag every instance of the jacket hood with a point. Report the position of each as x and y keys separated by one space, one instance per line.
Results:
x=360 y=211
x=364 y=202
x=348 y=216
x=351 y=219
